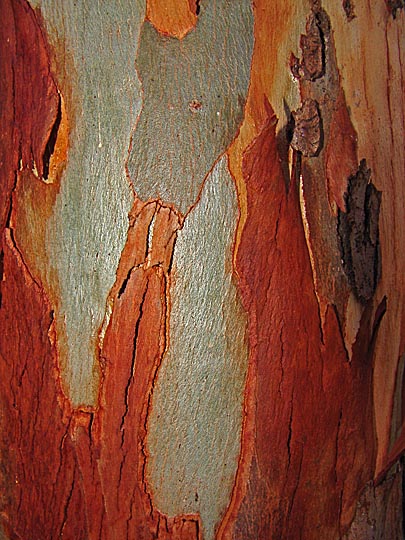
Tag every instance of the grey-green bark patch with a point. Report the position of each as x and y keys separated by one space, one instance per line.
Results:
x=194 y=91
x=194 y=428
x=87 y=232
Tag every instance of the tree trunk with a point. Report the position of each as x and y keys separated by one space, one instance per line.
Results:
x=202 y=269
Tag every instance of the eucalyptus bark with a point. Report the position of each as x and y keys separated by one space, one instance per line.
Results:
x=201 y=305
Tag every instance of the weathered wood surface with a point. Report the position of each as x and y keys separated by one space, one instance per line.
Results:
x=202 y=328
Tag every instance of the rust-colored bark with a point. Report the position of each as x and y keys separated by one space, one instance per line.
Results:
x=309 y=451
x=309 y=444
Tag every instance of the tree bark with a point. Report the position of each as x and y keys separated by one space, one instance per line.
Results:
x=201 y=305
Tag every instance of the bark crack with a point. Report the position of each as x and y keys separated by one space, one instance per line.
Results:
x=10 y=230
x=337 y=444
x=132 y=373
x=50 y=145
x=295 y=489
x=66 y=508
x=336 y=465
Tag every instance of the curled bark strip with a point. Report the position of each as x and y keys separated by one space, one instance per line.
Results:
x=312 y=65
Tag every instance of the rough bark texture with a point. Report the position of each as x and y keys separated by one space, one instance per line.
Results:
x=201 y=299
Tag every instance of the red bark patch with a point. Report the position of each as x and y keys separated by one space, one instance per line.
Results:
x=311 y=411
x=36 y=101
x=37 y=473
x=131 y=354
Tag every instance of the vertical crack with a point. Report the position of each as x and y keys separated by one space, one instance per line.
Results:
x=339 y=487
x=298 y=478
x=131 y=376
x=149 y=237
x=281 y=359
x=50 y=145
x=66 y=508
x=337 y=444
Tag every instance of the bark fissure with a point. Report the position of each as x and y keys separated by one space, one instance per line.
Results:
x=132 y=371
x=66 y=507
x=164 y=340
x=50 y=145
x=341 y=333
x=296 y=485
x=337 y=446
x=290 y=433
x=12 y=239
x=378 y=317
x=281 y=361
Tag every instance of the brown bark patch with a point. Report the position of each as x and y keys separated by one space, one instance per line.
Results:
x=348 y=7
x=359 y=234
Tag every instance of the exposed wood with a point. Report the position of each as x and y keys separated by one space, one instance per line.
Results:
x=201 y=304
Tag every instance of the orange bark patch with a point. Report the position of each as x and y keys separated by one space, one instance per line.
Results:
x=132 y=351
x=173 y=17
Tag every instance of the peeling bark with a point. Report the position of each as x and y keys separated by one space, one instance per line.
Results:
x=296 y=465
x=201 y=296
